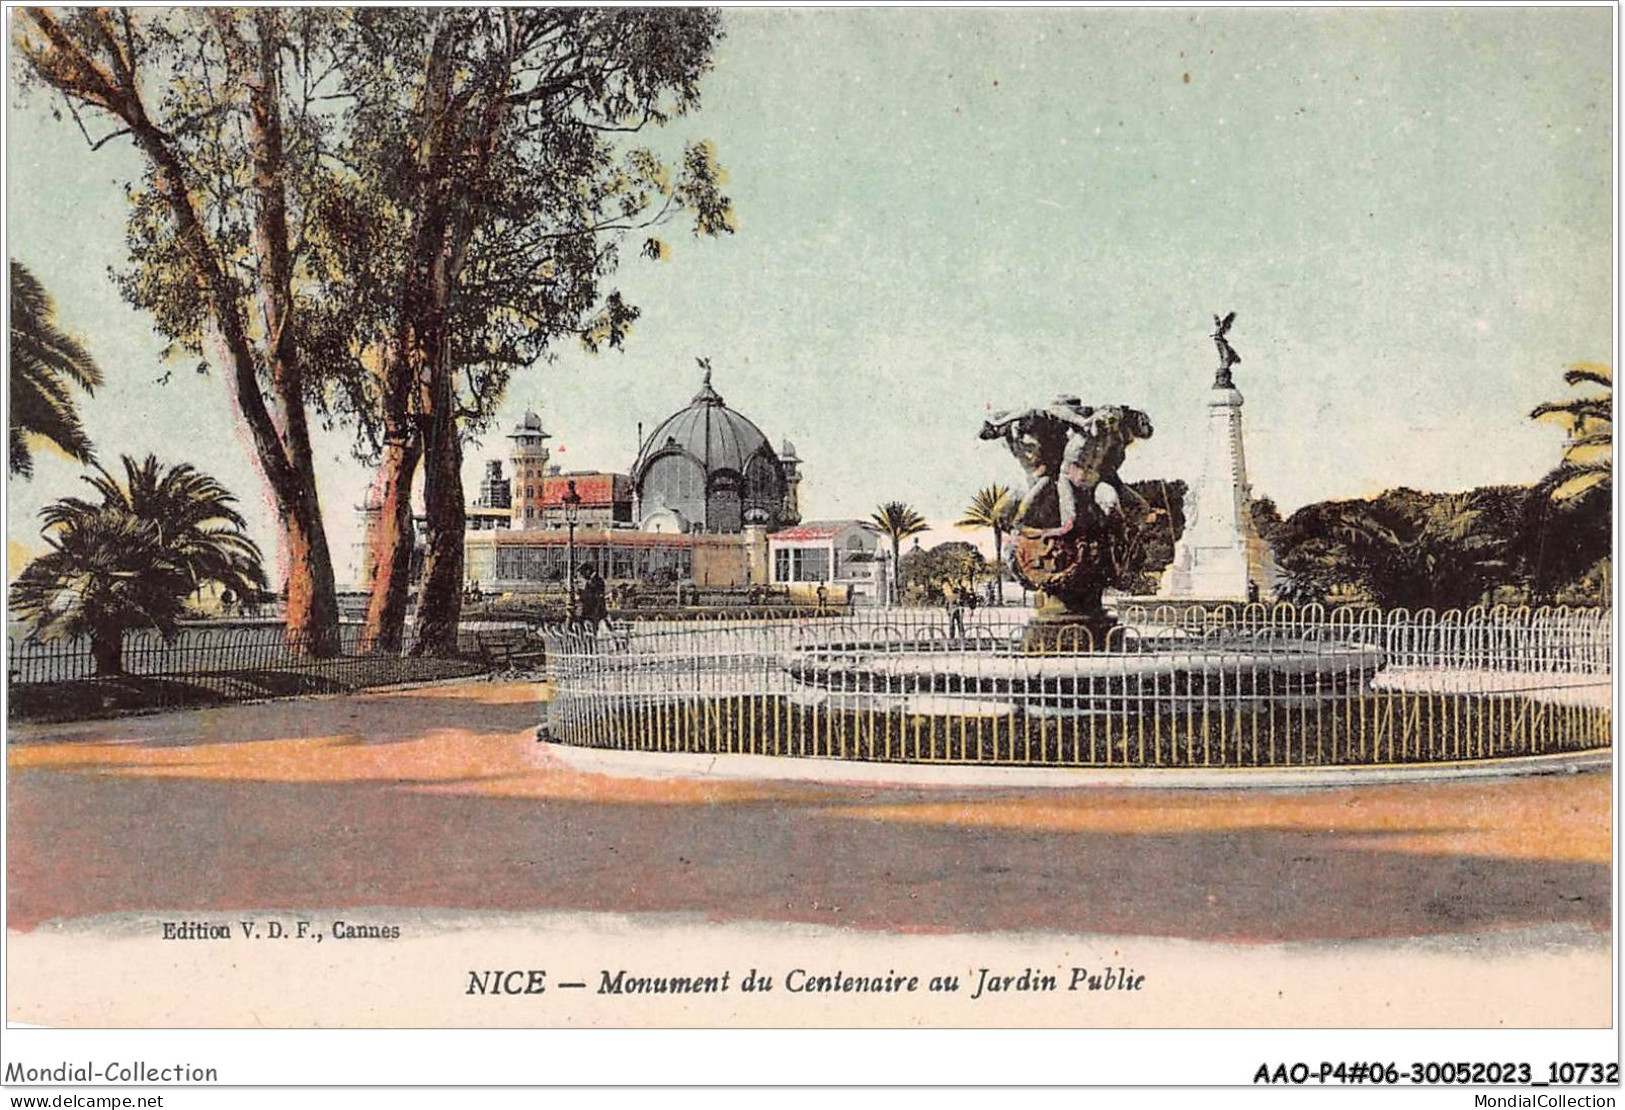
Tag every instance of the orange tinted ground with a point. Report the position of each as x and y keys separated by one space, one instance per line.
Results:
x=439 y=797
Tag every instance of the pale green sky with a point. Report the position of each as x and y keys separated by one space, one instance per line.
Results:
x=941 y=210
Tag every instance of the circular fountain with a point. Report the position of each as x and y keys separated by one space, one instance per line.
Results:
x=1129 y=674
x=1074 y=685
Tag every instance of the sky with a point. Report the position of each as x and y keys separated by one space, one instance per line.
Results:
x=946 y=210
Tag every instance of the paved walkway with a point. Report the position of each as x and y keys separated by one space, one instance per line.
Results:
x=439 y=798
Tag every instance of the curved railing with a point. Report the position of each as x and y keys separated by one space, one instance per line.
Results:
x=1223 y=686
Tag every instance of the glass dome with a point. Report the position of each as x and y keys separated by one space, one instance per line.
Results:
x=709 y=467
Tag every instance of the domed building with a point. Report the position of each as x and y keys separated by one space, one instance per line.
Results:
x=708 y=468
x=710 y=514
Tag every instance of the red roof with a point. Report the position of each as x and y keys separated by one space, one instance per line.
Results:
x=812 y=530
x=595 y=490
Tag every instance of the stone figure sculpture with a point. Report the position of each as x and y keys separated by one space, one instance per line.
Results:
x=1227 y=353
x=1069 y=528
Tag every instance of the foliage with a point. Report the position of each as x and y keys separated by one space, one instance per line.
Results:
x=1566 y=537
x=1400 y=549
x=223 y=106
x=483 y=197
x=929 y=574
x=190 y=513
x=45 y=363
x=1588 y=455
x=1560 y=545
x=483 y=191
x=994 y=508
x=378 y=214
x=897 y=520
x=131 y=559
x=1155 y=512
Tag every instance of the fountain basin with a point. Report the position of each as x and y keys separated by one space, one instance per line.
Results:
x=931 y=679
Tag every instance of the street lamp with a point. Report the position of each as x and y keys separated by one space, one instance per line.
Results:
x=572 y=513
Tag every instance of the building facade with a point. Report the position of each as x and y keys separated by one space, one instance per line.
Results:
x=708 y=503
x=843 y=556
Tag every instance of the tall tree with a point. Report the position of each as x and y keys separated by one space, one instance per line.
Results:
x=131 y=559
x=897 y=520
x=1588 y=455
x=485 y=199
x=46 y=365
x=992 y=508
x=1567 y=537
x=218 y=225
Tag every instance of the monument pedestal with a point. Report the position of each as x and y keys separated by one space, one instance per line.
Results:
x=1221 y=556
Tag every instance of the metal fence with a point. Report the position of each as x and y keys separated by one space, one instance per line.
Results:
x=1517 y=640
x=203 y=665
x=195 y=650
x=1227 y=686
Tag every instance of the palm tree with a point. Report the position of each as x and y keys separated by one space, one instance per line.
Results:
x=131 y=561
x=193 y=514
x=1588 y=454
x=45 y=363
x=1440 y=552
x=993 y=507
x=899 y=521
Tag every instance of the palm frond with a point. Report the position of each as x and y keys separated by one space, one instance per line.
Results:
x=132 y=559
x=45 y=364
x=1593 y=373
x=1581 y=408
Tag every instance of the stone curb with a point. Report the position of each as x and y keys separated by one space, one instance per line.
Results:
x=683 y=765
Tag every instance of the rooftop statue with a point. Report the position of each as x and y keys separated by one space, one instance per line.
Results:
x=1227 y=353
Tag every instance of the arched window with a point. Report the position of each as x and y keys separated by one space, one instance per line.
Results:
x=764 y=487
x=673 y=482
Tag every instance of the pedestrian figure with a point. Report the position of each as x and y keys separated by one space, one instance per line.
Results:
x=594 y=610
x=823 y=597
x=955 y=601
x=591 y=608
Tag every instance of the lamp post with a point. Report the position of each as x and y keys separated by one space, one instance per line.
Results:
x=572 y=513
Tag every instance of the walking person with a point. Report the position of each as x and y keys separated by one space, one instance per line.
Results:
x=594 y=610
x=955 y=601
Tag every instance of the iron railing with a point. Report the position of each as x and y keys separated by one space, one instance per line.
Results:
x=60 y=680
x=195 y=650
x=1226 y=686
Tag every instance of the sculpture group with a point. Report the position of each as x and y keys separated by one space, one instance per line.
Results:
x=1070 y=533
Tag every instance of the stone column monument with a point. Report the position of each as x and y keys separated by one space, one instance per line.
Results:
x=1221 y=557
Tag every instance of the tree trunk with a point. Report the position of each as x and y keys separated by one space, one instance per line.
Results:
x=312 y=622
x=389 y=549
x=107 y=649
x=440 y=599
x=897 y=570
x=998 y=566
